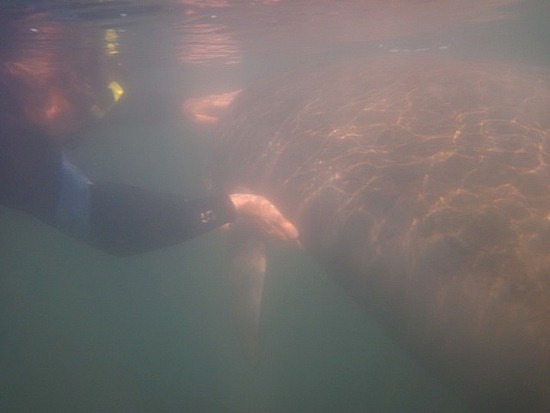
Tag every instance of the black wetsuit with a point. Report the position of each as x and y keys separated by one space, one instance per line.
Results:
x=35 y=177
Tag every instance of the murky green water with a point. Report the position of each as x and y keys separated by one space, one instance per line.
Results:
x=81 y=331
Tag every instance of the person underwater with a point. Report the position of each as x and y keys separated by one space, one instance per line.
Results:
x=46 y=98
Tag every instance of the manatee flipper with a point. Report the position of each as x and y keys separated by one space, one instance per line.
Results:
x=246 y=282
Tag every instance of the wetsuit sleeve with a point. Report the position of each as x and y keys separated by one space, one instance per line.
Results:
x=36 y=178
x=125 y=220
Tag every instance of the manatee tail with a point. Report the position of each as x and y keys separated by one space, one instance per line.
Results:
x=246 y=282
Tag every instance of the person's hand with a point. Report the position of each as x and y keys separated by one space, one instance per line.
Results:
x=264 y=217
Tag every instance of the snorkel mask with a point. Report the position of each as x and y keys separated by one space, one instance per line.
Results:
x=112 y=95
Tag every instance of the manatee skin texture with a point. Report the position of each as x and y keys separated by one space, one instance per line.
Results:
x=422 y=185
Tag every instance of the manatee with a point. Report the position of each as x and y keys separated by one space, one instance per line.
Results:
x=421 y=184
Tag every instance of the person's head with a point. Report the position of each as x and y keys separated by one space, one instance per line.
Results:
x=54 y=77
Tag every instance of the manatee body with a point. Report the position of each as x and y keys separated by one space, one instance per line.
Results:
x=422 y=185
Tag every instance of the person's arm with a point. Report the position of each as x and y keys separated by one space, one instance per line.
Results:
x=125 y=219
x=120 y=219
x=35 y=177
